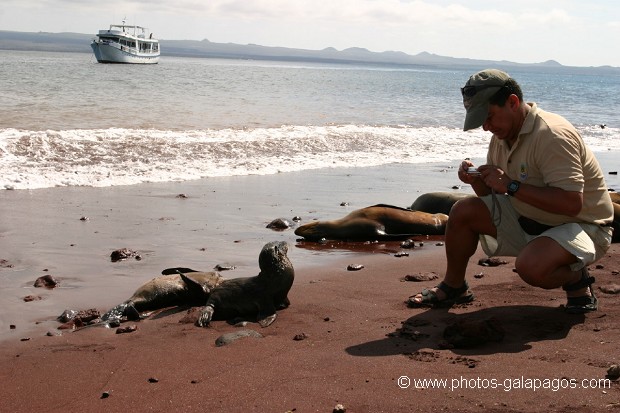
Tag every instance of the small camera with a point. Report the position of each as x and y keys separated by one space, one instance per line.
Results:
x=472 y=170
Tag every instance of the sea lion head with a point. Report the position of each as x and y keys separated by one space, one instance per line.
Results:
x=273 y=260
x=312 y=231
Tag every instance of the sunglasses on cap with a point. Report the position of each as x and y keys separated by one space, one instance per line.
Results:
x=470 y=91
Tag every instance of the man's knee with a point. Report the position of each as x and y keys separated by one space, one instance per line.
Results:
x=530 y=272
x=467 y=208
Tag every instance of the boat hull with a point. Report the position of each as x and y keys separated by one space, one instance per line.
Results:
x=105 y=53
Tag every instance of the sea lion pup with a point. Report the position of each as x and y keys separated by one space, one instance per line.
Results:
x=438 y=202
x=378 y=222
x=253 y=298
x=177 y=286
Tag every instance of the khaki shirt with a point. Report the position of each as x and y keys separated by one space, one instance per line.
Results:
x=550 y=152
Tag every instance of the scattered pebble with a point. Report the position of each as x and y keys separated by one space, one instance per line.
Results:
x=230 y=337
x=479 y=275
x=84 y=219
x=491 y=262
x=127 y=329
x=427 y=276
x=296 y=218
x=183 y=196
x=12 y=327
x=401 y=254
x=220 y=267
x=300 y=336
x=30 y=298
x=344 y=204
x=153 y=380
x=355 y=267
x=339 y=408
x=105 y=395
x=610 y=288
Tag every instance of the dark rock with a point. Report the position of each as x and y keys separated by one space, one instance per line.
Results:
x=123 y=254
x=279 y=224
x=46 y=281
x=74 y=319
x=354 y=267
x=300 y=336
x=409 y=244
x=67 y=315
x=613 y=372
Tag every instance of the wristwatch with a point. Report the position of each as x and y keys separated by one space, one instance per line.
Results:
x=513 y=187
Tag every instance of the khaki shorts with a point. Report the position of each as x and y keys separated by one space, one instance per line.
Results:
x=587 y=242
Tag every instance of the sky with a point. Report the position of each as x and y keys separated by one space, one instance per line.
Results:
x=572 y=32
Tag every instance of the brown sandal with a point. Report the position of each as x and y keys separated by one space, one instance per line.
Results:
x=460 y=295
x=585 y=303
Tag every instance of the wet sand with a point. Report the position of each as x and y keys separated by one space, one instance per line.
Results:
x=346 y=339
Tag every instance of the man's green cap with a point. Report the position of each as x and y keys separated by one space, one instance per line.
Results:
x=477 y=91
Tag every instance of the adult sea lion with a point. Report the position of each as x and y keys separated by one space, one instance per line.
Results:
x=378 y=222
x=438 y=202
x=177 y=286
x=615 y=198
x=253 y=298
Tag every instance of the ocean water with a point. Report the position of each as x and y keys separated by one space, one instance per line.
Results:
x=66 y=120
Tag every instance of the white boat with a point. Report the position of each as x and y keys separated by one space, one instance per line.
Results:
x=122 y=43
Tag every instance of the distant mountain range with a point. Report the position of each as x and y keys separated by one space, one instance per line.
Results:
x=77 y=42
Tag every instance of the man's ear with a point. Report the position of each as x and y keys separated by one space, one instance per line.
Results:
x=513 y=101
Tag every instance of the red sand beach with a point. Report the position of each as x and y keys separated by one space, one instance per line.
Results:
x=347 y=339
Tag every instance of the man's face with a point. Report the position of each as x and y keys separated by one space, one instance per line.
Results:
x=502 y=121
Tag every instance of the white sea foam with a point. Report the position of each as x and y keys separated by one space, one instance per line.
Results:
x=106 y=157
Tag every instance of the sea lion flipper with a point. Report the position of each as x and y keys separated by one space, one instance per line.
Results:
x=176 y=270
x=267 y=321
x=195 y=287
x=116 y=313
x=206 y=315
